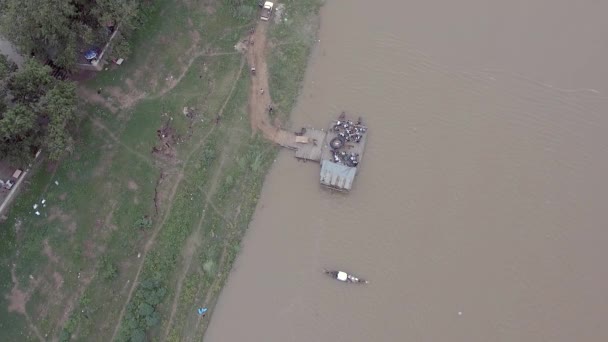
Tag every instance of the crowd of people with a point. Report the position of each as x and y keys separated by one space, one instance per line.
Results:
x=350 y=159
x=347 y=131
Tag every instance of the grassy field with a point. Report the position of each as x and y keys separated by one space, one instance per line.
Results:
x=140 y=228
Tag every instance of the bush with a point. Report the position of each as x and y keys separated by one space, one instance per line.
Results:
x=141 y=312
x=144 y=223
x=107 y=270
x=242 y=9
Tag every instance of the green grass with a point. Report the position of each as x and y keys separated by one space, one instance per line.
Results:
x=82 y=252
x=293 y=37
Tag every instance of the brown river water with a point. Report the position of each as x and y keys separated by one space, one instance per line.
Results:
x=480 y=209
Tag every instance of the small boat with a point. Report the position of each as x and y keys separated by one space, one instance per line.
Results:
x=345 y=277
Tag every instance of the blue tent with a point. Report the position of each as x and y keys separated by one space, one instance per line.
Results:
x=90 y=54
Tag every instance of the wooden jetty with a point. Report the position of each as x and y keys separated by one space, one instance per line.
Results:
x=339 y=150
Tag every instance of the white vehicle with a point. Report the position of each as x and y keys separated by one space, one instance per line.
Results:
x=9 y=183
x=267 y=10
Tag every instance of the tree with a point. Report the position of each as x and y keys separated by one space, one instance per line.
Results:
x=42 y=27
x=31 y=82
x=18 y=133
x=145 y=310
x=36 y=111
x=141 y=313
x=60 y=106
x=58 y=29
x=6 y=69
x=138 y=336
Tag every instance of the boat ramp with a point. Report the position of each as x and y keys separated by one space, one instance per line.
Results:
x=339 y=149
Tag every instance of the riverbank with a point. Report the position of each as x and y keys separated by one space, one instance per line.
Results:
x=142 y=224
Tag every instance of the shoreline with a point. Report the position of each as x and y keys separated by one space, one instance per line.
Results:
x=262 y=123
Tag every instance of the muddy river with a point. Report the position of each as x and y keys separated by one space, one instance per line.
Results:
x=480 y=210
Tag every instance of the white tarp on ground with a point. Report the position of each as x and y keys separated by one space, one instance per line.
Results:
x=337 y=176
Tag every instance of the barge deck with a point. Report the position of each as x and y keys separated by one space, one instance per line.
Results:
x=339 y=150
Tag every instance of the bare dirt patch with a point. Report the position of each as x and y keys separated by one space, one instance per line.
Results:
x=195 y=36
x=57 y=214
x=170 y=83
x=48 y=251
x=89 y=249
x=132 y=185
x=130 y=84
x=71 y=228
x=96 y=98
x=163 y=39
x=17 y=300
x=167 y=141
x=209 y=8
x=58 y=280
x=126 y=99
x=242 y=46
x=80 y=75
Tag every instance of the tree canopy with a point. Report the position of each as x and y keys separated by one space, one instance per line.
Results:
x=36 y=111
x=60 y=29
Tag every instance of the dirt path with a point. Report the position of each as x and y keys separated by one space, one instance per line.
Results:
x=260 y=99
x=99 y=124
x=96 y=98
x=259 y=93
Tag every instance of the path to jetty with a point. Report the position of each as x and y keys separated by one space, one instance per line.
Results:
x=259 y=93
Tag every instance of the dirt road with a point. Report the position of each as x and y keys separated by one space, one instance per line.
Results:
x=259 y=93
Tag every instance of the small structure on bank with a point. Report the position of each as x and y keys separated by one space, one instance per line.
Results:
x=94 y=58
x=339 y=150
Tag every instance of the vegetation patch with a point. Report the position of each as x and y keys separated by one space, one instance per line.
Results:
x=137 y=241
x=59 y=31
x=36 y=111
